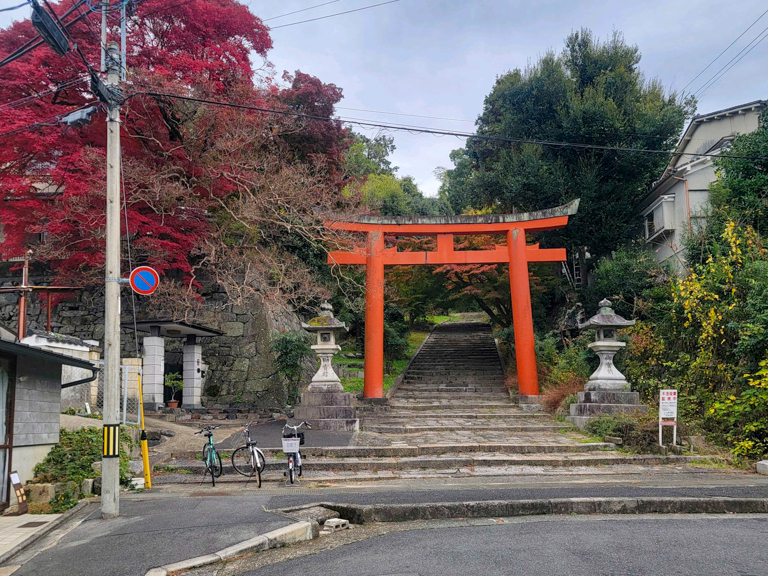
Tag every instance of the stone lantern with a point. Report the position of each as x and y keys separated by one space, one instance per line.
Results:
x=607 y=390
x=325 y=405
x=325 y=327
x=606 y=324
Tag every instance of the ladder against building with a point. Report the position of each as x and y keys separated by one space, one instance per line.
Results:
x=374 y=255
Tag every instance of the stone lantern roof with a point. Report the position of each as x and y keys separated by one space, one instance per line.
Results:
x=606 y=318
x=325 y=321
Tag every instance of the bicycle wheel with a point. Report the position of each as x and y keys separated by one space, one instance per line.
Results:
x=262 y=460
x=218 y=468
x=205 y=459
x=242 y=461
x=291 y=474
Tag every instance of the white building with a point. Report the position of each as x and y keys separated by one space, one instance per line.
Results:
x=678 y=201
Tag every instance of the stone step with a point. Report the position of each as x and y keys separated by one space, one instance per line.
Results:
x=275 y=466
x=449 y=427
x=431 y=395
x=475 y=415
x=414 y=450
x=448 y=406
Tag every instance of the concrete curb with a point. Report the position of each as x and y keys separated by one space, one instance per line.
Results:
x=361 y=514
x=296 y=532
x=48 y=528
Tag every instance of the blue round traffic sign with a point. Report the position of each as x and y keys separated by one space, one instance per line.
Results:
x=144 y=280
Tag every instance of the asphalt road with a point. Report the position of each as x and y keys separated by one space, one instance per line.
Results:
x=430 y=493
x=151 y=533
x=576 y=546
x=270 y=435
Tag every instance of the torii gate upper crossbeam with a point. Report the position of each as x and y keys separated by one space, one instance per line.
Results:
x=516 y=253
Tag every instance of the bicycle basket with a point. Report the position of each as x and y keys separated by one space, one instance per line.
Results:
x=291 y=445
x=301 y=438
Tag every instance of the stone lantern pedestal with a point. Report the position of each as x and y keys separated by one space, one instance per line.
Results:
x=607 y=390
x=324 y=404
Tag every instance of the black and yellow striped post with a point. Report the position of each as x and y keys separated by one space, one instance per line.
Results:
x=111 y=441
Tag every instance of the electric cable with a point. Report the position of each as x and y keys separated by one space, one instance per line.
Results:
x=332 y=15
x=50 y=121
x=14 y=7
x=715 y=76
x=302 y=10
x=424 y=130
x=38 y=41
x=715 y=80
x=724 y=51
x=42 y=94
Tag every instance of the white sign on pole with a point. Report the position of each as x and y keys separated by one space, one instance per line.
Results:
x=668 y=413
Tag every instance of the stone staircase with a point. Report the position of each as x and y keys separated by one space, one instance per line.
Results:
x=456 y=383
x=452 y=416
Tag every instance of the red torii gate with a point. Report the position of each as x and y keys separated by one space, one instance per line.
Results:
x=516 y=253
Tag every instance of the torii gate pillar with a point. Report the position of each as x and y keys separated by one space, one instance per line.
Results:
x=516 y=253
x=520 y=287
x=373 y=385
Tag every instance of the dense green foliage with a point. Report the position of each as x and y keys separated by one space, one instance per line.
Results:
x=70 y=460
x=592 y=93
x=291 y=351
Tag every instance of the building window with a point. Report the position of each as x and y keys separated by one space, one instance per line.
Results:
x=650 y=226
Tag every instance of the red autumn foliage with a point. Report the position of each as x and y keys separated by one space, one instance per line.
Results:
x=187 y=166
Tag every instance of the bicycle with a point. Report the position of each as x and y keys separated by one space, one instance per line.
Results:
x=248 y=459
x=211 y=457
x=291 y=442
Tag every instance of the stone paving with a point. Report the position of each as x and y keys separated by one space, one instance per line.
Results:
x=16 y=529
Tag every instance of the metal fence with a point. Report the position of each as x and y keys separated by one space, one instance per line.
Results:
x=129 y=392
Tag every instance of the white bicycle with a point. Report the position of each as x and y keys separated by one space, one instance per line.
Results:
x=292 y=439
x=249 y=460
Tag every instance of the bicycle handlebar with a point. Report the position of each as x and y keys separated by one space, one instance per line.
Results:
x=207 y=429
x=296 y=428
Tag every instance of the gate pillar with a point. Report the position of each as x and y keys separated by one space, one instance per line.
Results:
x=373 y=386
x=522 y=316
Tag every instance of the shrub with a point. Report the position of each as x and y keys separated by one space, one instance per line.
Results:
x=71 y=458
x=558 y=399
x=638 y=431
x=291 y=350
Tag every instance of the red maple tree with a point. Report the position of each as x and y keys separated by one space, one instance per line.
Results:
x=197 y=177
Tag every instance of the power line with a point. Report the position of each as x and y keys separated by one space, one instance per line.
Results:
x=332 y=15
x=424 y=130
x=714 y=81
x=37 y=41
x=14 y=7
x=302 y=10
x=724 y=51
x=32 y=97
x=403 y=114
x=50 y=121
x=709 y=82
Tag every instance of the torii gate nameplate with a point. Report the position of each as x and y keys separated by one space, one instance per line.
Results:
x=516 y=253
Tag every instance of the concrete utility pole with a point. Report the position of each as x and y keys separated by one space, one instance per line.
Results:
x=110 y=464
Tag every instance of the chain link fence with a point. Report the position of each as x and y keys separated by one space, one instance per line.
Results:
x=90 y=396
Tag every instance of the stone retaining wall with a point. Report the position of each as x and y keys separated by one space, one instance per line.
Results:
x=240 y=362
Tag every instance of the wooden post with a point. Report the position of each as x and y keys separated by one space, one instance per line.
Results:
x=522 y=316
x=374 y=317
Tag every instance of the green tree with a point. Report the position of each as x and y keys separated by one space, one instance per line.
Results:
x=370 y=155
x=592 y=93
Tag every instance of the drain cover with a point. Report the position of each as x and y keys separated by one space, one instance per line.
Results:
x=33 y=524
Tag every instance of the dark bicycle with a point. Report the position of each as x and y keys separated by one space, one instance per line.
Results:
x=211 y=457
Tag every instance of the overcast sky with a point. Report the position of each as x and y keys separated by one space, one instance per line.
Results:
x=441 y=57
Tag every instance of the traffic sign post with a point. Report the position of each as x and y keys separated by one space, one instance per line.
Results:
x=144 y=280
x=668 y=413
